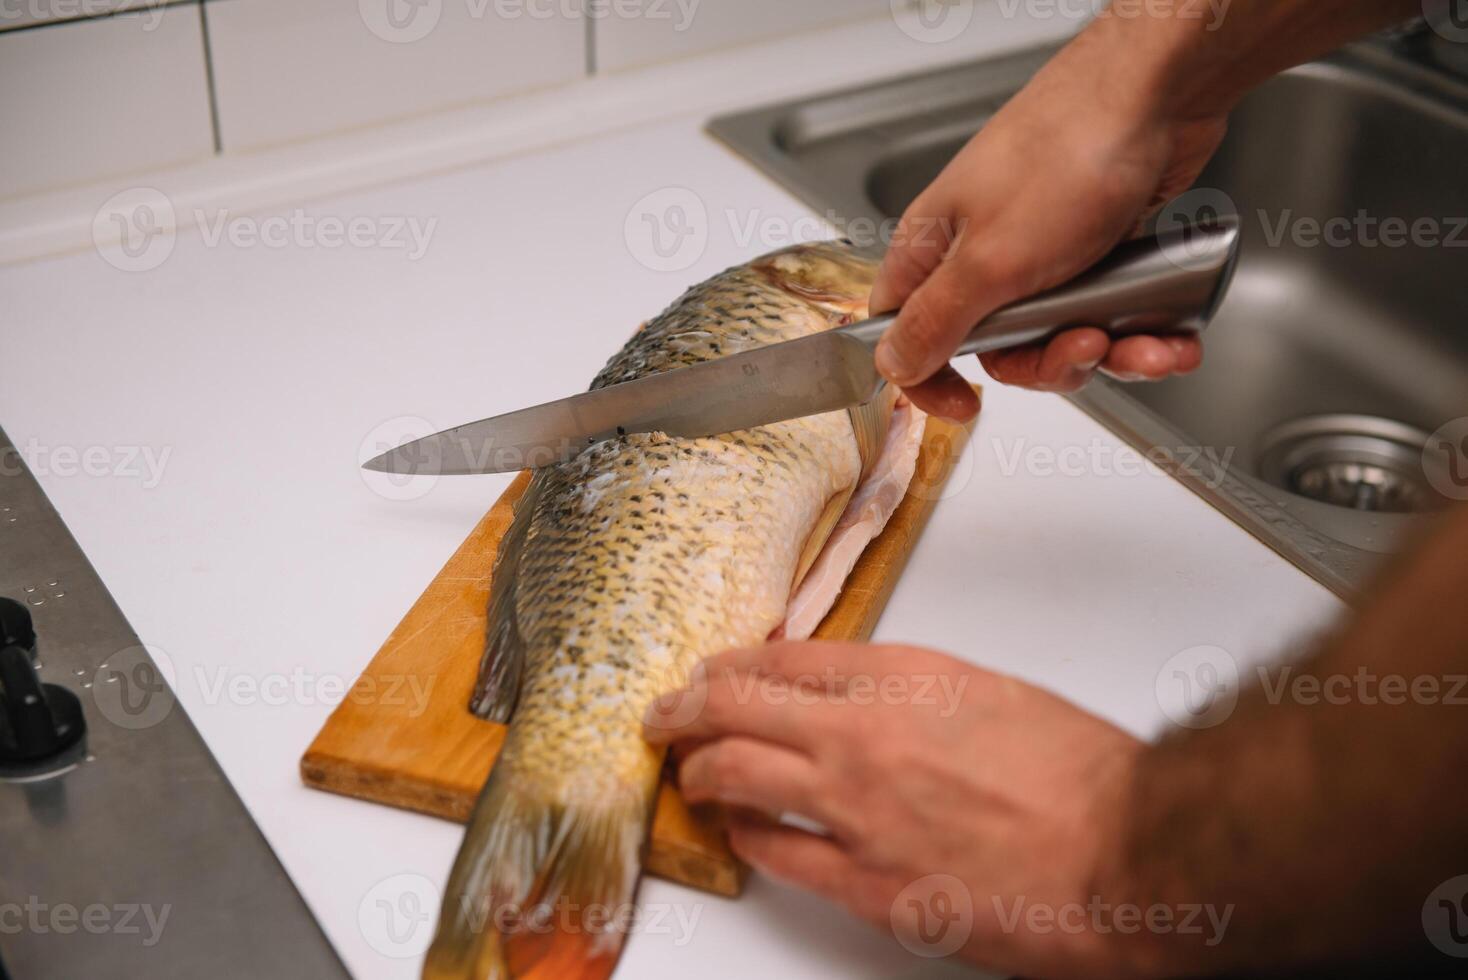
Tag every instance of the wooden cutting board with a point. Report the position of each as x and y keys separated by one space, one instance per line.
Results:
x=404 y=736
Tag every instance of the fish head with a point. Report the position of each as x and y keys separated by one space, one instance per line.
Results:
x=832 y=276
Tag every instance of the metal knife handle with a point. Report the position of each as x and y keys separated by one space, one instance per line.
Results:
x=1168 y=283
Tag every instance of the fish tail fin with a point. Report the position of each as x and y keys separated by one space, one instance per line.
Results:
x=542 y=887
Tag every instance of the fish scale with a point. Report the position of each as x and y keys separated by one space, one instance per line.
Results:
x=625 y=566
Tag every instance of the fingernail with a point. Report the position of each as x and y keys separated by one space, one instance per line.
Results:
x=1089 y=365
x=891 y=366
x=668 y=701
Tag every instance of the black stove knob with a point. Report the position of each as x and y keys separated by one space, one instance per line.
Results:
x=39 y=723
x=15 y=626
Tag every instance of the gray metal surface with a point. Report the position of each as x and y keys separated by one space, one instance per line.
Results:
x=137 y=860
x=1311 y=327
x=1168 y=283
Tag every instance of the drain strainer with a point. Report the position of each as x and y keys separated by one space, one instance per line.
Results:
x=1362 y=462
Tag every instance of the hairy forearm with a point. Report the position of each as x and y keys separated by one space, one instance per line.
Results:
x=1329 y=805
x=1193 y=59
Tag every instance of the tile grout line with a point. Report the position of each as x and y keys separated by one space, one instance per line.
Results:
x=590 y=36
x=209 y=78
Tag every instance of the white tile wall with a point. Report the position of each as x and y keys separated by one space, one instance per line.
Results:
x=84 y=100
x=639 y=32
x=289 y=69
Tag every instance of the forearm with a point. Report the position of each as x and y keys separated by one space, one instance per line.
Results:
x=1329 y=805
x=1194 y=59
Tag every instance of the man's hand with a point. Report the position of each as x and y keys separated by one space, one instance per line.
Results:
x=1121 y=121
x=1070 y=167
x=918 y=765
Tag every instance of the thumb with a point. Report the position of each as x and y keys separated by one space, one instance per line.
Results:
x=923 y=237
x=937 y=316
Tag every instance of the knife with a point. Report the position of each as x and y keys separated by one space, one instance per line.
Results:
x=1170 y=283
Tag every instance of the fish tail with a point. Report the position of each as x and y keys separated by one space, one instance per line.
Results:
x=542 y=887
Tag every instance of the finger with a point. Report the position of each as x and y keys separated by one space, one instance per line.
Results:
x=1063 y=364
x=1189 y=351
x=746 y=772
x=796 y=857
x=935 y=319
x=733 y=702
x=1141 y=359
x=921 y=240
x=947 y=395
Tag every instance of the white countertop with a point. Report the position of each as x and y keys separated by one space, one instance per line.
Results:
x=268 y=570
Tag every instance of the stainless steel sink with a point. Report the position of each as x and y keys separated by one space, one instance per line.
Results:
x=1342 y=348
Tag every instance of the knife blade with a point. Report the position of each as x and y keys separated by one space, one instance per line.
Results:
x=820 y=373
x=1169 y=283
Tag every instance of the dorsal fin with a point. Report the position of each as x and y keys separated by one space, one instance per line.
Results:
x=870 y=423
x=503 y=662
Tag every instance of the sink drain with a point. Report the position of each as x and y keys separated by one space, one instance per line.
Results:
x=1361 y=462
